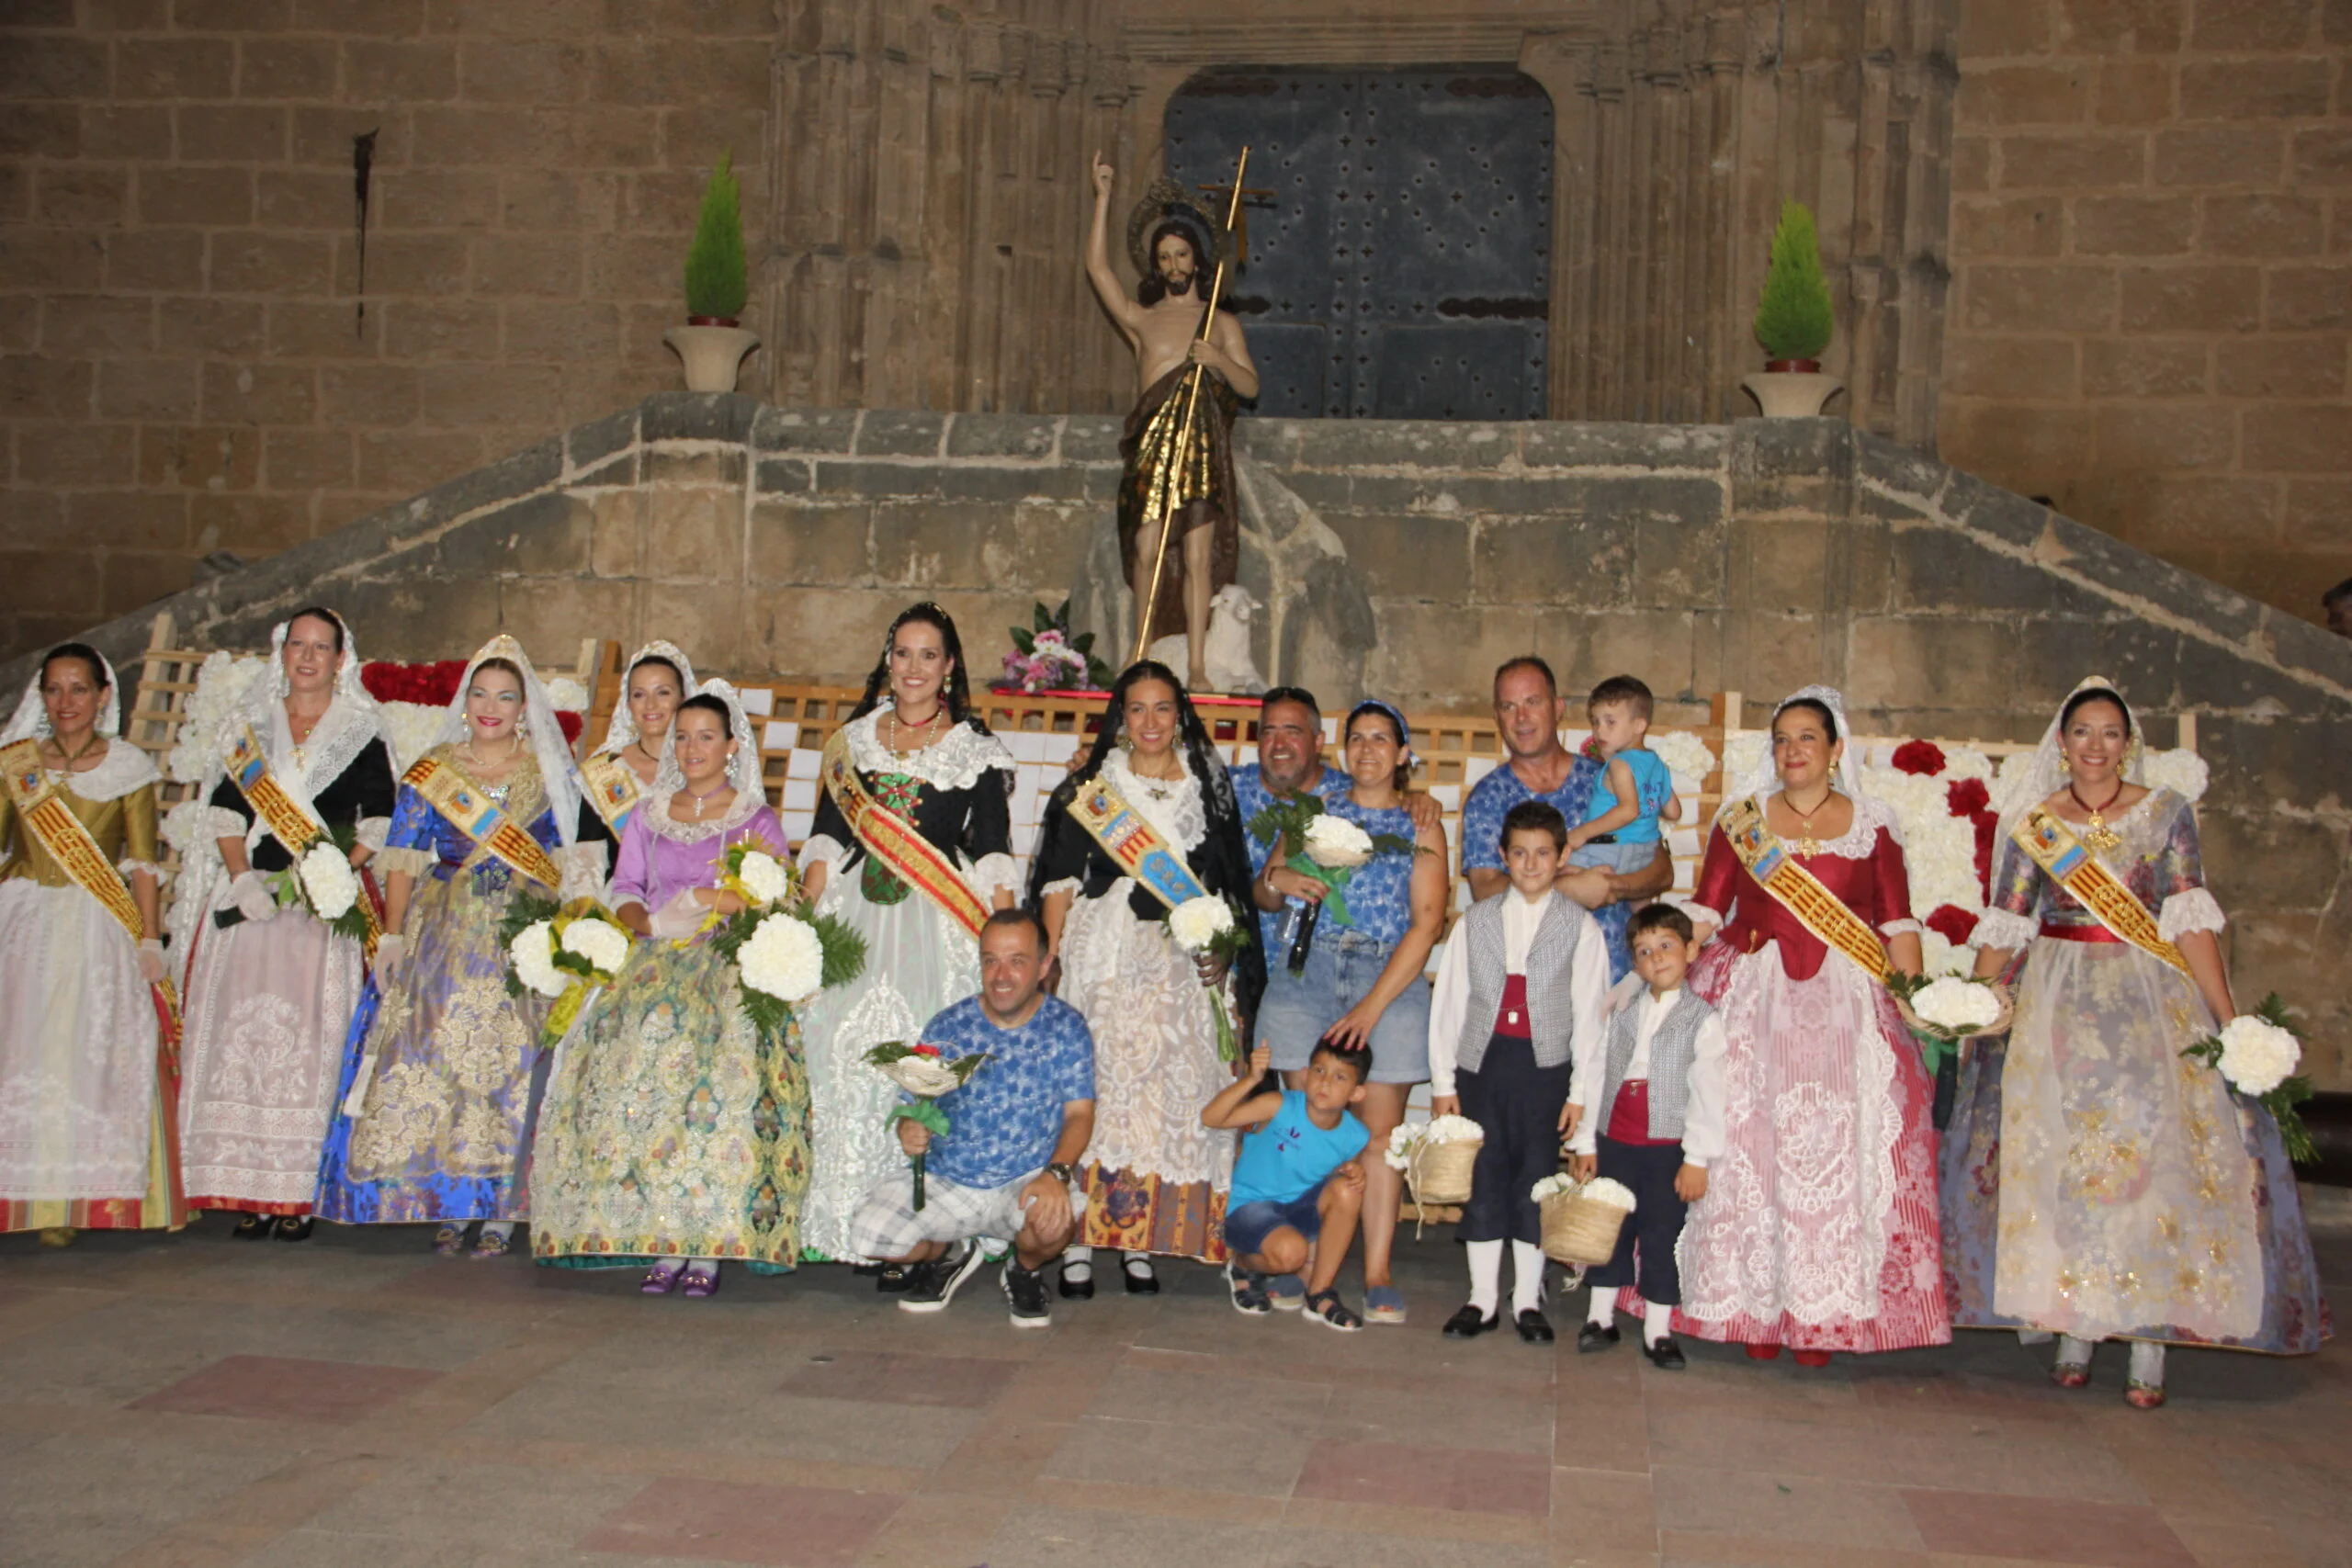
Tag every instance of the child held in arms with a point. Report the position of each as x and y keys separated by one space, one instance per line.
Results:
x=1515 y=1027
x=1659 y=1123
x=1298 y=1183
x=1620 y=831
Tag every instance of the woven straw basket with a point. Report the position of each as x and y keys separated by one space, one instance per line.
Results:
x=1580 y=1230
x=1440 y=1172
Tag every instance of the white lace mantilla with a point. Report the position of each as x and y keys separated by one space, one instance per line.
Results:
x=955 y=761
x=1174 y=808
x=660 y=824
x=124 y=769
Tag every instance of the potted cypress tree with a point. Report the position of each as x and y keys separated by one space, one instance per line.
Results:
x=1793 y=322
x=713 y=342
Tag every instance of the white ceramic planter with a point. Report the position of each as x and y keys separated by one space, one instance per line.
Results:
x=1791 y=394
x=712 y=355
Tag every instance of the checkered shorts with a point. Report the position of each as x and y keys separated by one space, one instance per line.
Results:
x=888 y=1226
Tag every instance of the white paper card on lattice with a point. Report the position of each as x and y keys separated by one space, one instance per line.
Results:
x=757 y=699
x=782 y=734
x=803 y=763
x=800 y=795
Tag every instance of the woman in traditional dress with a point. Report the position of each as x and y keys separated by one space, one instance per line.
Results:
x=86 y=1087
x=271 y=991
x=1155 y=1177
x=914 y=755
x=634 y=756
x=675 y=1130
x=1818 y=1230
x=438 y=1074
x=2098 y=1184
x=1363 y=984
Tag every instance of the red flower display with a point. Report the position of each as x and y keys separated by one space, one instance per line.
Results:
x=432 y=684
x=1952 y=923
x=1918 y=757
x=1989 y=827
x=926 y=1050
x=570 y=722
x=1967 y=796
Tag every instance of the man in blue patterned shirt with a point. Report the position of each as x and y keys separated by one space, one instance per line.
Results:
x=1006 y=1166
x=1528 y=710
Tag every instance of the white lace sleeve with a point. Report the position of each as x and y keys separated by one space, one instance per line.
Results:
x=1700 y=914
x=408 y=862
x=994 y=874
x=1998 y=928
x=129 y=866
x=1899 y=928
x=373 y=831
x=1073 y=885
x=822 y=849
x=2191 y=909
x=222 y=823
x=584 y=870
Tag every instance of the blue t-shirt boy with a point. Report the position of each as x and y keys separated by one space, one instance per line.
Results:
x=1653 y=787
x=1290 y=1156
x=1002 y=1125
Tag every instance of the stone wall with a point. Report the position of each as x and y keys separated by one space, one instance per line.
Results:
x=1399 y=560
x=2152 y=259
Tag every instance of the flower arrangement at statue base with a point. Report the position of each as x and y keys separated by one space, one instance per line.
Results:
x=1581 y=1219
x=2258 y=1052
x=1437 y=1156
x=921 y=1073
x=784 y=957
x=1204 y=926
x=564 y=951
x=1048 y=657
x=1325 y=848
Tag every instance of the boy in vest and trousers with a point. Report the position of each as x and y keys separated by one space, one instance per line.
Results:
x=1515 y=1027
x=1658 y=1124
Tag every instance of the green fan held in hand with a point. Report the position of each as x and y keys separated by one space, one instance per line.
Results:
x=919 y=1070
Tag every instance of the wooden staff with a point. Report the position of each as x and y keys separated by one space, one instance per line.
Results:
x=1184 y=430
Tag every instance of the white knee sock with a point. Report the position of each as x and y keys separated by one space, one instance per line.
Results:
x=2148 y=1363
x=1658 y=1321
x=1602 y=1308
x=1526 y=1277
x=1486 y=1275
x=1080 y=1259
x=2074 y=1352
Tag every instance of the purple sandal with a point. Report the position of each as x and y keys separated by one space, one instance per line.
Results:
x=662 y=1277
x=702 y=1280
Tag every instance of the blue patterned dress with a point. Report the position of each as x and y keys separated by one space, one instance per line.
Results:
x=1482 y=838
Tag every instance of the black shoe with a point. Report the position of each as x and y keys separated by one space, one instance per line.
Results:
x=1141 y=1281
x=1533 y=1327
x=1666 y=1355
x=891 y=1279
x=1081 y=1290
x=931 y=1286
x=1596 y=1336
x=1250 y=1297
x=1025 y=1292
x=1470 y=1323
x=294 y=1227
x=253 y=1228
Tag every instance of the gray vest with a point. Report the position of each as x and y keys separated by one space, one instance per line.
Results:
x=1551 y=997
x=1672 y=1050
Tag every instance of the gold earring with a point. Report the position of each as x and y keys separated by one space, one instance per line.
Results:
x=2064 y=766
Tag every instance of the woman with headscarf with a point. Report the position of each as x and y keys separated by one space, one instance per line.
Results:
x=1155 y=1177
x=438 y=1073
x=1818 y=1230
x=634 y=757
x=1362 y=981
x=87 y=1088
x=912 y=847
x=2100 y=1185
x=270 y=989
x=675 y=1130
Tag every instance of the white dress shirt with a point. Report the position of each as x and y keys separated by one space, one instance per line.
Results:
x=1588 y=983
x=1702 y=1118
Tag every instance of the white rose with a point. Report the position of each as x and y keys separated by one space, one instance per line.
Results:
x=328 y=882
x=1744 y=753
x=764 y=876
x=922 y=1077
x=1453 y=1129
x=1551 y=1185
x=1966 y=762
x=1956 y=1004
x=410 y=731
x=1685 y=755
x=784 y=959
x=1337 y=844
x=534 y=953
x=1610 y=1191
x=2257 y=1055
x=2182 y=772
x=1196 y=923
x=567 y=696
x=603 y=944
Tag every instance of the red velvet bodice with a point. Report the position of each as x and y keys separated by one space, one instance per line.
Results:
x=1876 y=886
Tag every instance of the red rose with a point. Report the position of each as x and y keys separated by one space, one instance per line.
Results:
x=1955 y=924
x=1918 y=757
x=1967 y=796
x=569 y=723
x=1988 y=828
x=926 y=1050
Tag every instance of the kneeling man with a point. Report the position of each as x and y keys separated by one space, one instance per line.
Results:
x=1016 y=1130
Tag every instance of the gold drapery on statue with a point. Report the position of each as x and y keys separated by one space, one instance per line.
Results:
x=1191 y=478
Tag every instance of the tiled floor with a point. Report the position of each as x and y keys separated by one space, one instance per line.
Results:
x=194 y=1402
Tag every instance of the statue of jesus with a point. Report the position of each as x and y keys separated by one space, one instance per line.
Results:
x=1187 y=478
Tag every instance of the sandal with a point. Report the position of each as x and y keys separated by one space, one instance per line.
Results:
x=450 y=1239
x=662 y=1277
x=57 y=1236
x=1383 y=1303
x=702 y=1280
x=2144 y=1396
x=1325 y=1307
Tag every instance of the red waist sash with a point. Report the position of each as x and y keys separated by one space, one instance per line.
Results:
x=2079 y=934
x=1629 y=1117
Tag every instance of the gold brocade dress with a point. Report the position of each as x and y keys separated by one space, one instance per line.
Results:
x=86 y=1091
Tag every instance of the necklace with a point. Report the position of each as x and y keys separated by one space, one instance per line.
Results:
x=94 y=741
x=2096 y=832
x=496 y=791
x=1808 y=845
x=1159 y=786
x=698 y=799
x=923 y=734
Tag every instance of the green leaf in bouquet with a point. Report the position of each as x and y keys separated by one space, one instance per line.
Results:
x=844 y=950
x=1039 y=620
x=924 y=1114
x=1082 y=644
x=1061 y=615
x=1025 y=640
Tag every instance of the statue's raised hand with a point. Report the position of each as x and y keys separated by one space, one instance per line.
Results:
x=1102 y=175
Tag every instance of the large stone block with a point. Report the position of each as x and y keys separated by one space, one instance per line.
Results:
x=1408 y=558
x=804 y=430
x=1583 y=561
x=1605 y=446
x=697 y=416
x=1346 y=444
x=1026 y=436
x=540 y=534
x=801 y=543
x=886 y=433
x=1945 y=661
x=1784 y=464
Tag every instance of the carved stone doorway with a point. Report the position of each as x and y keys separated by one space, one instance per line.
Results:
x=1401 y=267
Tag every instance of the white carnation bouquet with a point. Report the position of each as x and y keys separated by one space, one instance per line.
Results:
x=1407 y=1136
x=565 y=953
x=1685 y=755
x=1205 y=928
x=783 y=955
x=2258 y=1052
x=1327 y=848
x=321 y=880
x=923 y=1073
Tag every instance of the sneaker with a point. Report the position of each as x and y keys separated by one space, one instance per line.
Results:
x=1025 y=1292
x=931 y=1286
x=1249 y=1290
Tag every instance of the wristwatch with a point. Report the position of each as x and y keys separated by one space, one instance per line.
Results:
x=1065 y=1174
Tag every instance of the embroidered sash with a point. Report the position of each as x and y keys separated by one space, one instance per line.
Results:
x=1134 y=845
x=893 y=840
x=613 y=788
x=2071 y=865
x=248 y=765
x=1819 y=910
x=49 y=820
x=477 y=817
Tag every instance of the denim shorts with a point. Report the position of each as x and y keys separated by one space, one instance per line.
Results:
x=1341 y=969
x=1247 y=1227
x=1623 y=858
